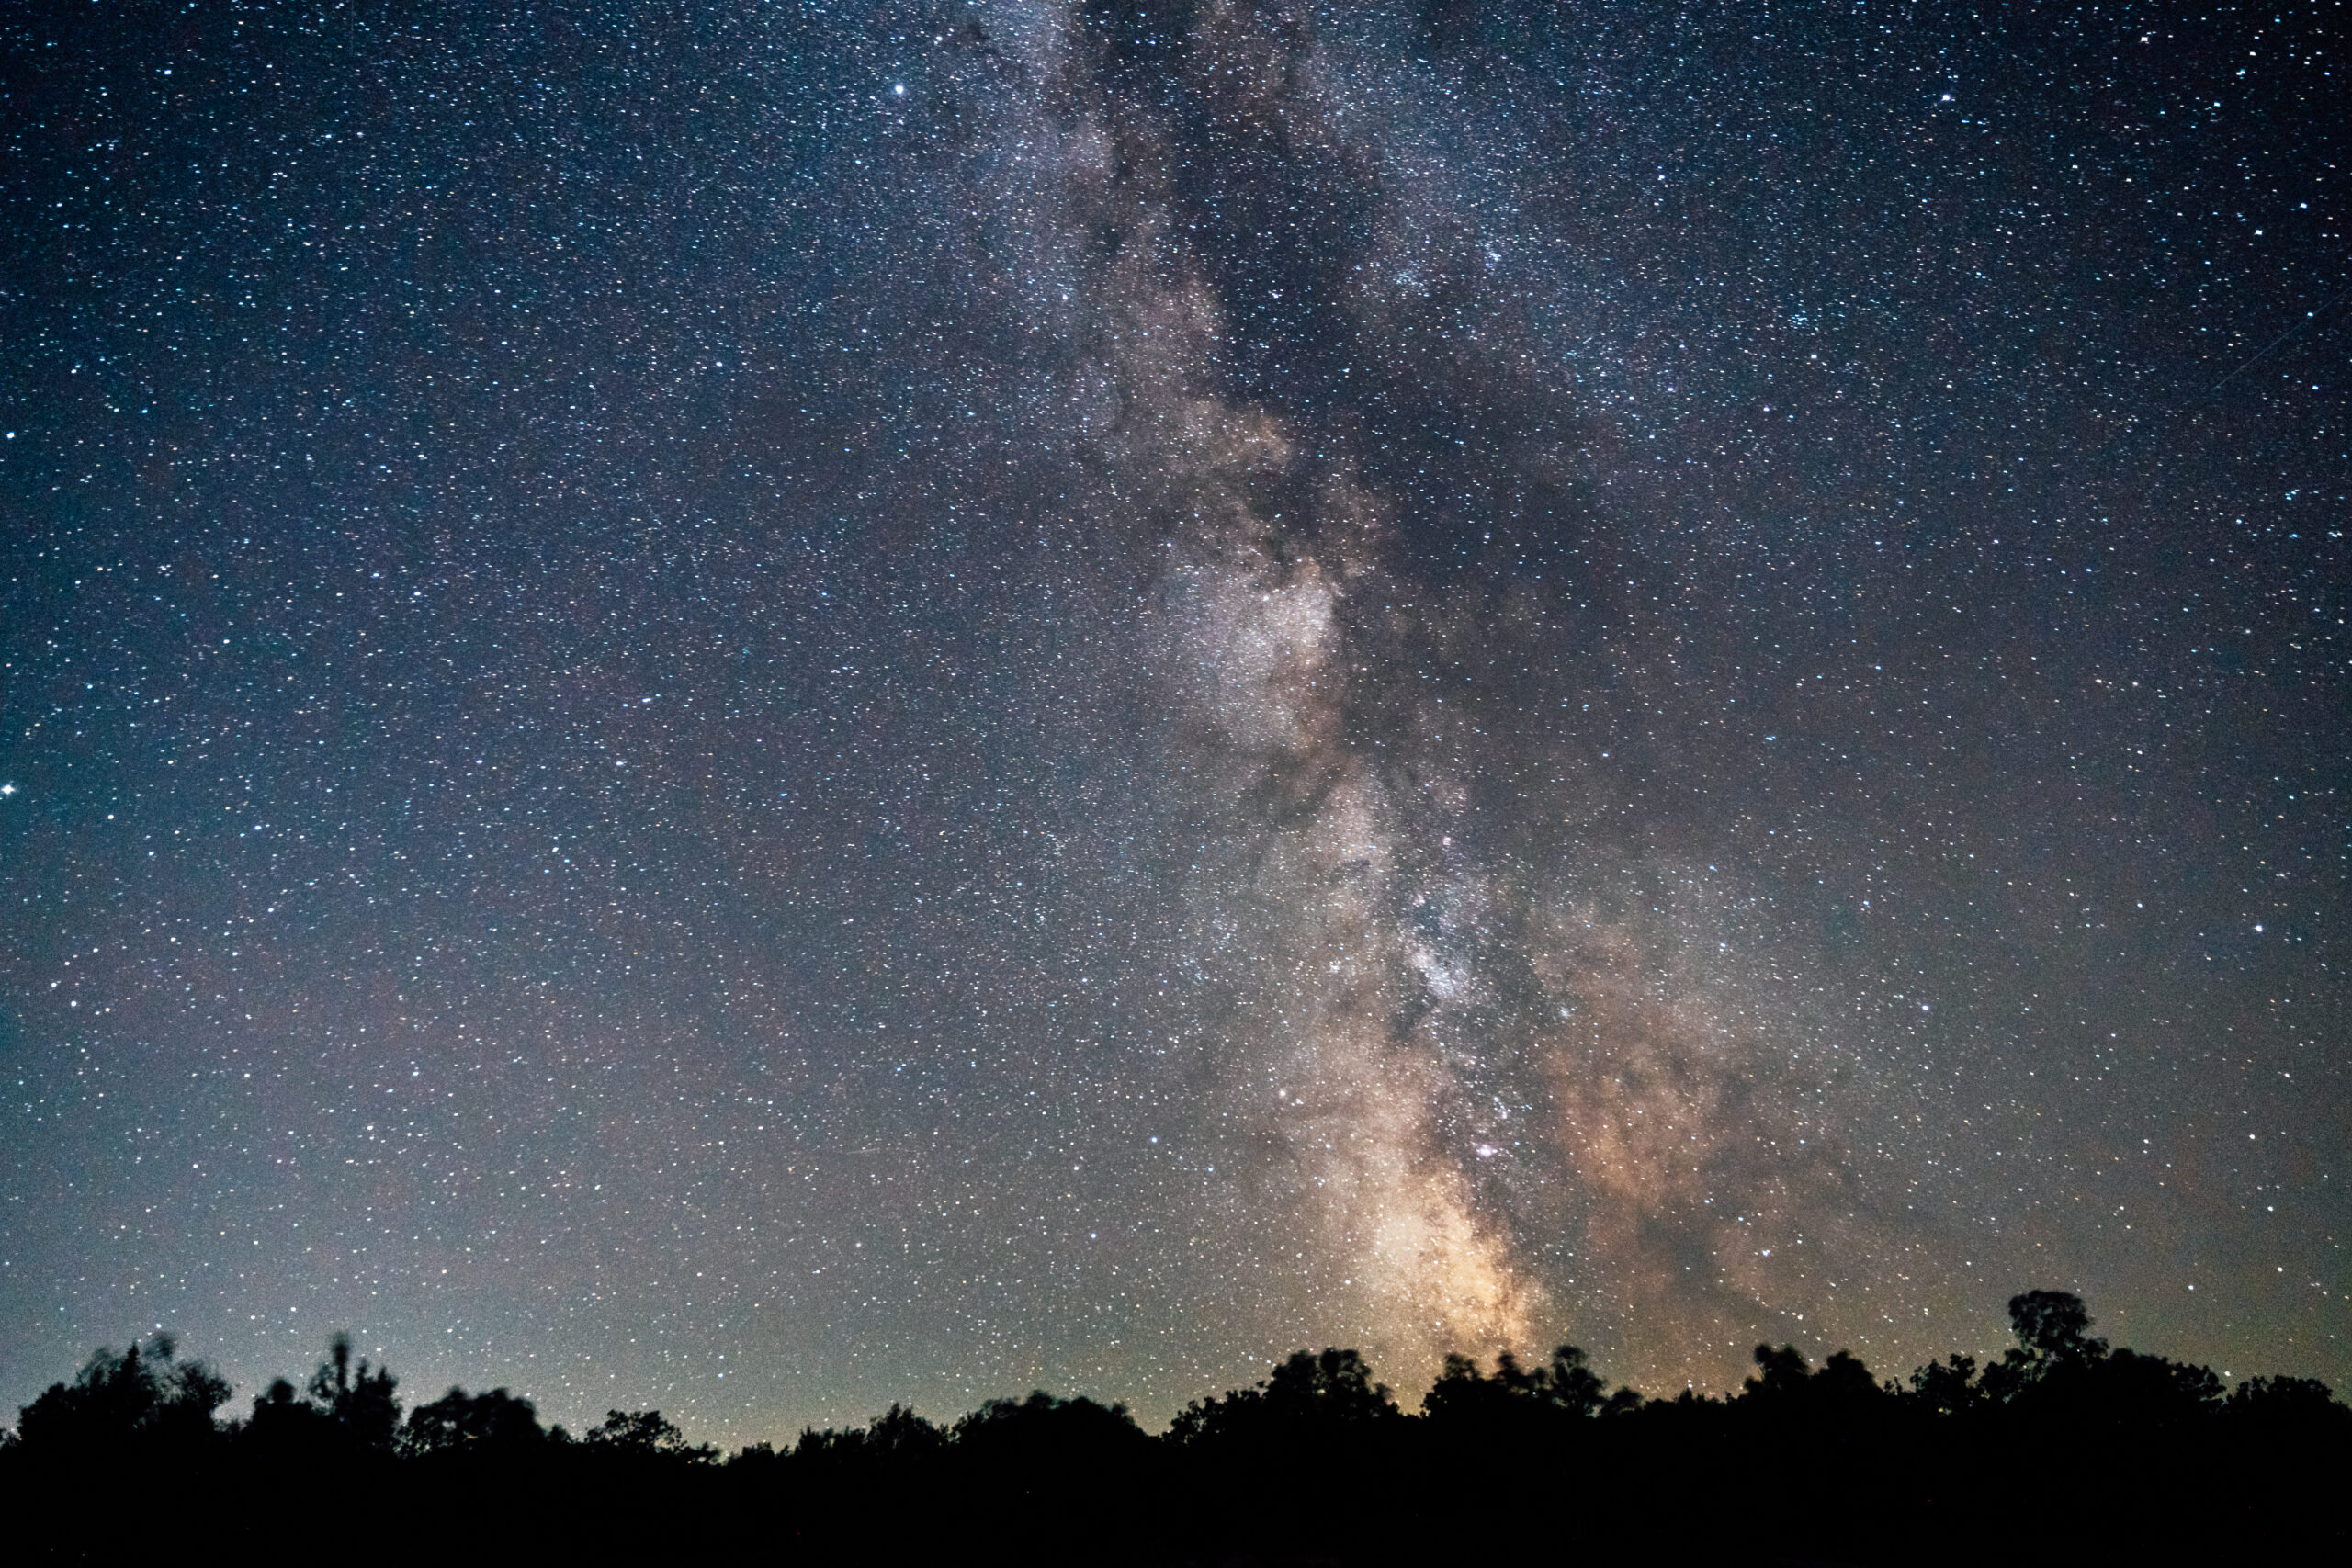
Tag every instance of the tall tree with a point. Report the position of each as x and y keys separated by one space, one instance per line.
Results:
x=359 y=1401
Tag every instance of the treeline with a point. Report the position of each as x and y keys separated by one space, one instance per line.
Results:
x=2063 y=1446
x=147 y=1405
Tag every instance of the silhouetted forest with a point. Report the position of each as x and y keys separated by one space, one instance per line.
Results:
x=2063 y=1449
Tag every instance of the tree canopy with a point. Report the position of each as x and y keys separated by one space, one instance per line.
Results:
x=2114 y=1438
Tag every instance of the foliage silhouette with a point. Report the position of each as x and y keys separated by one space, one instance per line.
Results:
x=1948 y=1387
x=645 y=1434
x=492 y=1425
x=1782 y=1374
x=2295 y=1404
x=360 y=1403
x=2062 y=1447
x=2053 y=1343
x=1307 y=1396
x=119 y=1401
x=1519 y=1400
x=1042 y=1425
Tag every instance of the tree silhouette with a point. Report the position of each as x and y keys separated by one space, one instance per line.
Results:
x=645 y=1434
x=1572 y=1385
x=2053 y=1341
x=899 y=1430
x=1840 y=1396
x=2065 y=1448
x=1948 y=1387
x=145 y=1398
x=2287 y=1404
x=1845 y=1383
x=346 y=1407
x=285 y=1422
x=1042 y=1429
x=359 y=1401
x=1464 y=1398
x=1336 y=1387
x=897 y=1434
x=1333 y=1392
x=492 y=1424
x=1783 y=1374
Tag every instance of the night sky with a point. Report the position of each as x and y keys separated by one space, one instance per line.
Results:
x=761 y=708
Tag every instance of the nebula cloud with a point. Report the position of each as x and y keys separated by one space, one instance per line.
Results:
x=1470 y=1090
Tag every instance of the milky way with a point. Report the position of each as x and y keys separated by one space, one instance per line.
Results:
x=773 y=711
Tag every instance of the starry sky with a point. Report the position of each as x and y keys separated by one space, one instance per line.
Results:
x=761 y=708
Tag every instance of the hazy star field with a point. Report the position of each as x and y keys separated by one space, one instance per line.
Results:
x=761 y=708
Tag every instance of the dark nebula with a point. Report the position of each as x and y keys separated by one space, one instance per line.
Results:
x=760 y=709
